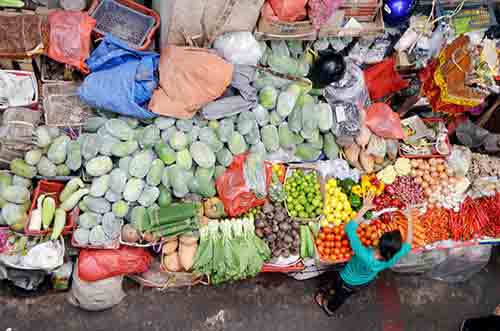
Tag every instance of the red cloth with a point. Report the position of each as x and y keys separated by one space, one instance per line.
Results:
x=382 y=79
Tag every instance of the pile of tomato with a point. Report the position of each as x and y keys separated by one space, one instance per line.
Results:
x=333 y=245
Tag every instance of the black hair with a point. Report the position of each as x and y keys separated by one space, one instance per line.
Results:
x=389 y=244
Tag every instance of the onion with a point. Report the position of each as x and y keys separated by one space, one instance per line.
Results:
x=427 y=177
x=420 y=173
x=443 y=176
x=438 y=161
x=413 y=173
x=432 y=162
x=449 y=172
x=452 y=180
x=425 y=185
x=434 y=175
x=428 y=191
x=441 y=168
x=418 y=180
x=414 y=163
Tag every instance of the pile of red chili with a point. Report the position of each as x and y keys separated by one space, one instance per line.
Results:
x=491 y=207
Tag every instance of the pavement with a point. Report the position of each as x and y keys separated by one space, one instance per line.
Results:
x=274 y=302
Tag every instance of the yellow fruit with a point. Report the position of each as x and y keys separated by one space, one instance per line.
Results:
x=333 y=182
x=339 y=207
x=353 y=214
x=324 y=222
x=330 y=218
x=331 y=191
x=337 y=222
x=346 y=205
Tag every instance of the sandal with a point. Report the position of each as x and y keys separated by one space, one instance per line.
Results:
x=319 y=298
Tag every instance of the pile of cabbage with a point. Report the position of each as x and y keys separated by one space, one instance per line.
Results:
x=15 y=192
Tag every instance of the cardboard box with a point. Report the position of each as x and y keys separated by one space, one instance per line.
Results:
x=336 y=27
x=278 y=30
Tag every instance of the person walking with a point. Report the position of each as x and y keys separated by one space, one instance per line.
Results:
x=366 y=262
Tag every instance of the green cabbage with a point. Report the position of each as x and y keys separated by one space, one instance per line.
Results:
x=267 y=97
x=184 y=159
x=270 y=138
x=237 y=144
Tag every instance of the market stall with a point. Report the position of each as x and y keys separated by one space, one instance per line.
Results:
x=192 y=166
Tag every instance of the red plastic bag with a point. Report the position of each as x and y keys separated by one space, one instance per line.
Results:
x=97 y=264
x=234 y=191
x=320 y=11
x=382 y=79
x=69 y=37
x=382 y=121
x=289 y=10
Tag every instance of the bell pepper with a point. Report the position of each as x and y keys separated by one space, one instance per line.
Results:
x=356 y=189
x=355 y=201
x=347 y=185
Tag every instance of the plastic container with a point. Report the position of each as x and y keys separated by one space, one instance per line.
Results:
x=435 y=153
x=62 y=105
x=127 y=20
x=34 y=87
x=54 y=188
x=306 y=167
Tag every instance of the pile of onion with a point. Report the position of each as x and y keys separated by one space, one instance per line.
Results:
x=433 y=174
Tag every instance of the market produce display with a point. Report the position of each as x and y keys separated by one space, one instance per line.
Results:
x=253 y=155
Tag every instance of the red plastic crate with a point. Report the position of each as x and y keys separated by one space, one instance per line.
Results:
x=137 y=7
x=44 y=187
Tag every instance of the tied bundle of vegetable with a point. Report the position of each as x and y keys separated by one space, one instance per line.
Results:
x=229 y=250
x=170 y=221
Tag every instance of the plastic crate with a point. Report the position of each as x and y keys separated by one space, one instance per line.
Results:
x=53 y=188
x=127 y=20
x=34 y=86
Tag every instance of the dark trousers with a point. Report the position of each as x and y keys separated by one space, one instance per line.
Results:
x=487 y=323
x=336 y=291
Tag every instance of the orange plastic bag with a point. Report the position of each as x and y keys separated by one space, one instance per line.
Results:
x=70 y=37
x=382 y=121
x=382 y=79
x=97 y=264
x=289 y=10
x=189 y=79
x=234 y=191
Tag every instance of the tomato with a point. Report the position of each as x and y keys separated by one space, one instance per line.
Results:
x=331 y=244
x=322 y=236
x=318 y=242
x=336 y=251
x=363 y=226
x=374 y=236
x=343 y=250
x=376 y=242
x=338 y=244
x=336 y=230
x=330 y=237
x=326 y=229
x=345 y=243
x=321 y=250
x=368 y=242
x=334 y=257
x=327 y=251
x=338 y=238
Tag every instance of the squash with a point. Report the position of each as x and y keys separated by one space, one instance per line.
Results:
x=170 y=247
x=187 y=251
x=172 y=262
x=214 y=208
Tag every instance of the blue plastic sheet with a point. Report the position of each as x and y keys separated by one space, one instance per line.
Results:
x=122 y=79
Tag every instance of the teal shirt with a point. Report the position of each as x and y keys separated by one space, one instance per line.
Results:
x=364 y=267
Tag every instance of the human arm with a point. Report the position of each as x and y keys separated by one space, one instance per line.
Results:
x=409 y=231
x=367 y=206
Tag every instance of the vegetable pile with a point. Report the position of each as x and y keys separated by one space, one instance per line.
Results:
x=278 y=230
x=304 y=194
x=14 y=200
x=229 y=250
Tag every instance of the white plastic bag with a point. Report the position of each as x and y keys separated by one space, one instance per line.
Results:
x=95 y=296
x=238 y=48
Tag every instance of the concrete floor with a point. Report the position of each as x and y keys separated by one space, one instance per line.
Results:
x=270 y=302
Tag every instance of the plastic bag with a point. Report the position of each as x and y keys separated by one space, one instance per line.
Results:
x=382 y=79
x=122 y=78
x=461 y=264
x=459 y=160
x=235 y=192
x=382 y=121
x=350 y=89
x=190 y=78
x=70 y=37
x=376 y=146
x=289 y=10
x=320 y=11
x=95 y=265
x=238 y=48
x=95 y=296
x=418 y=263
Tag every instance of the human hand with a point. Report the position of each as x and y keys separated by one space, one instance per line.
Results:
x=368 y=201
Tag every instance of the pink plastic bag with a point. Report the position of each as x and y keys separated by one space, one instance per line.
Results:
x=97 y=264
x=70 y=37
x=320 y=11
x=289 y=10
x=382 y=121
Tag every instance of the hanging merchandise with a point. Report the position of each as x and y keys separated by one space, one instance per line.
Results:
x=189 y=79
x=70 y=37
x=382 y=79
x=130 y=75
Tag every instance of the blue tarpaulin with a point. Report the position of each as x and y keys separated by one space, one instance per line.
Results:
x=122 y=79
